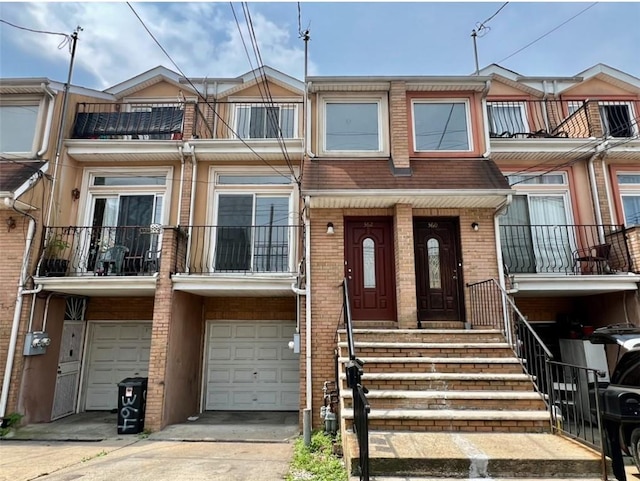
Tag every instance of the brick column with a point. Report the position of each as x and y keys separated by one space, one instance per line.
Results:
x=399 y=130
x=405 y=267
x=154 y=417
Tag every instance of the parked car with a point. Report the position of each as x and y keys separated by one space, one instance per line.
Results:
x=620 y=405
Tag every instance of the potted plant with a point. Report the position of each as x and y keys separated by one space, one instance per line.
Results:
x=52 y=264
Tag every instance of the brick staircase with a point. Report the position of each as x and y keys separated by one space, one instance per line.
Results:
x=443 y=399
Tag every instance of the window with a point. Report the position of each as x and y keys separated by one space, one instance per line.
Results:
x=369 y=262
x=441 y=126
x=537 y=179
x=18 y=127
x=617 y=119
x=433 y=256
x=262 y=122
x=507 y=118
x=629 y=184
x=352 y=126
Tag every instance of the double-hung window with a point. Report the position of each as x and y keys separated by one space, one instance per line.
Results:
x=265 y=121
x=507 y=118
x=535 y=230
x=253 y=231
x=441 y=125
x=18 y=127
x=629 y=186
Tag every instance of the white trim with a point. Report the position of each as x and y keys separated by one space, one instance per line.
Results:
x=281 y=104
x=458 y=100
x=631 y=111
x=379 y=99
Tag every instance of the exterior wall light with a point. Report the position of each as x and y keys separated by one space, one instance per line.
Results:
x=475 y=226
x=330 y=230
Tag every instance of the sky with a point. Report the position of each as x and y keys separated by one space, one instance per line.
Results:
x=346 y=38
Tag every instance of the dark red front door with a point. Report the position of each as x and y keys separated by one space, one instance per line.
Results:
x=438 y=275
x=369 y=266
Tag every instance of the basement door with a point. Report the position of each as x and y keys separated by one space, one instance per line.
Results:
x=250 y=367
x=438 y=270
x=117 y=350
x=369 y=268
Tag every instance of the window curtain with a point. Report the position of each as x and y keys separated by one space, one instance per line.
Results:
x=515 y=232
x=550 y=234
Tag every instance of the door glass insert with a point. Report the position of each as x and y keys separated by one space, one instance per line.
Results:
x=369 y=262
x=433 y=255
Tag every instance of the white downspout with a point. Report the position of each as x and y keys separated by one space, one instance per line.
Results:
x=594 y=189
x=307 y=342
x=13 y=339
x=307 y=134
x=607 y=189
x=194 y=175
x=485 y=120
x=496 y=227
x=180 y=150
x=47 y=127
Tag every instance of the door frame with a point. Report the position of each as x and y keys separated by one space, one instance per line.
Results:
x=457 y=241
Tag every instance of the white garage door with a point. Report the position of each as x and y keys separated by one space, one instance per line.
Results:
x=251 y=368
x=116 y=350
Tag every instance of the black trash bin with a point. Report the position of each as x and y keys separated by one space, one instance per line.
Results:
x=132 y=400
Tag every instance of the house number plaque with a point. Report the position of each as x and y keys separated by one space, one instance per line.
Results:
x=432 y=225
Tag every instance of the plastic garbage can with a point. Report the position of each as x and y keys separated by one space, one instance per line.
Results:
x=132 y=400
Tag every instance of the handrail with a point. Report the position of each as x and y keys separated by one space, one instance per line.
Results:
x=347 y=320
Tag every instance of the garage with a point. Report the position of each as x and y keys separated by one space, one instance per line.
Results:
x=249 y=367
x=116 y=350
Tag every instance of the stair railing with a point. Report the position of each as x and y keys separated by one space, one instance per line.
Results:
x=361 y=407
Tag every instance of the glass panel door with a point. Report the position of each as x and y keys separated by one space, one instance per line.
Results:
x=550 y=233
x=517 y=245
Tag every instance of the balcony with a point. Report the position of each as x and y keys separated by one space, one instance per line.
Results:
x=239 y=261
x=100 y=260
x=548 y=129
x=567 y=259
x=128 y=131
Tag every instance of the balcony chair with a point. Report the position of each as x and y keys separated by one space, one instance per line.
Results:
x=592 y=260
x=110 y=261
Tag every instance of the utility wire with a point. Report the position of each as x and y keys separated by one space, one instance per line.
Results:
x=548 y=33
x=483 y=25
x=67 y=37
x=204 y=99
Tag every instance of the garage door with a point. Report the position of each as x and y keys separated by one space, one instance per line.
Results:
x=251 y=368
x=116 y=351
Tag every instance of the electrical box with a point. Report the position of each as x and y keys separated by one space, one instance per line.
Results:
x=36 y=343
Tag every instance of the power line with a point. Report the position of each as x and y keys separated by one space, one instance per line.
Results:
x=67 y=37
x=483 y=25
x=548 y=33
x=204 y=99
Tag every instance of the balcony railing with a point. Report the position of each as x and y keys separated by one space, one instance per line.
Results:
x=129 y=121
x=241 y=249
x=565 y=249
x=248 y=121
x=535 y=119
x=100 y=251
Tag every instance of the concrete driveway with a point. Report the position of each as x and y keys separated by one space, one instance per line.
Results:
x=142 y=460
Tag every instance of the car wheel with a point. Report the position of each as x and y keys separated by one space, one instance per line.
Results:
x=635 y=447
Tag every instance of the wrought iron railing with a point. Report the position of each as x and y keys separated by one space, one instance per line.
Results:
x=130 y=121
x=100 y=251
x=246 y=120
x=565 y=249
x=527 y=119
x=361 y=407
x=241 y=249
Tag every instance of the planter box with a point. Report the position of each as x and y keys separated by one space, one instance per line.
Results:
x=53 y=268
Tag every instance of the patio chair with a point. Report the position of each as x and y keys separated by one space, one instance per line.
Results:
x=592 y=260
x=110 y=261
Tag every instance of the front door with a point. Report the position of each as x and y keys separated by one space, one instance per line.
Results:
x=369 y=269
x=438 y=270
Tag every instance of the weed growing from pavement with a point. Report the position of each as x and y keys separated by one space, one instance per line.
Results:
x=99 y=455
x=316 y=462
x=9 y=423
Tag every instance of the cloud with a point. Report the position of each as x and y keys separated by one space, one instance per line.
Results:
x=202 y=39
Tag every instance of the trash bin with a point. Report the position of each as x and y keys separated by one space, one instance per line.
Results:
x=132 y=400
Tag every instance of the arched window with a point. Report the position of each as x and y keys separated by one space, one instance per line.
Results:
x=433 y=256
x=369 y=262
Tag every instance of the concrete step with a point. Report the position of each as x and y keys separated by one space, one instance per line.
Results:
x=396 y=456
x=502 y=365
x=424 y=335
x=452 y=420
x=428 y=349
x=446 y=381
x=486 y=400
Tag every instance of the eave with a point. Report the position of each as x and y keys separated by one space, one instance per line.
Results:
x=99 y=286
x=559 y=285
x=105 y=150
x=234 y=286
x=234 y=149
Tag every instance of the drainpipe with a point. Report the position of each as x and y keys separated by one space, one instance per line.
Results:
x=607 y=186
x=594 y=188
x=307 y=133
x=485 y=120
x=194 y=175
x=307 y=424
x=181 y=152
x=13 y=339
x=47 y=127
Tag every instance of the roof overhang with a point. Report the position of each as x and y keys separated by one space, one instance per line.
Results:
x=377 y=198
x=413 y=83
x=234 y=286
x=561 y=285
x=99 y=286
x=104 y=150
x=541 y=149
x=235 y=149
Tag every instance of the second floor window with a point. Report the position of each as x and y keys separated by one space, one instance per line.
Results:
x=265 y=122
x=617 y=119
x=18 y=127
x=507 y=118
x=352 y=126
x=441 y=126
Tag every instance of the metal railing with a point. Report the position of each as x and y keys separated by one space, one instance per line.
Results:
x=571 y=393
x=565 y=249
x=354 y=371
x=246 y=120
x=241 y=249
x=129 y=121
x=100 y=251
x=534 y=119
